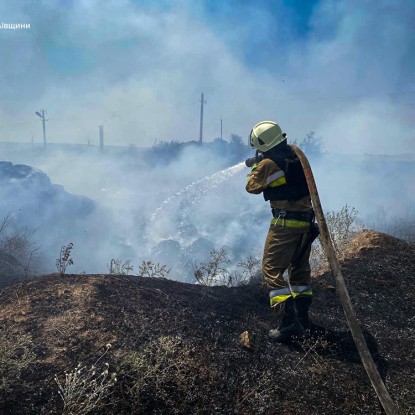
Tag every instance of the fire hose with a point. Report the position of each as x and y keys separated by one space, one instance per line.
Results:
x=368 y=363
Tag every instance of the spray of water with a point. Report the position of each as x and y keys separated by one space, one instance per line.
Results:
x=193 y=192
x=200 y=187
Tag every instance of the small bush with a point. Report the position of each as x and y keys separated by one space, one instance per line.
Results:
x=119 y=267
x=18 y=252
x=216 y=272
x=251 y=268
x=150 y=269
x=213 y=271
x=86 y=389
x=155 y=368
x=64 y=259
x=341 y=226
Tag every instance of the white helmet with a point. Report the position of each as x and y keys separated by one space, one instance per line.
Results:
x=266 y=135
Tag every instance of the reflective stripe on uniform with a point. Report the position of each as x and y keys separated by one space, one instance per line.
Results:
x=281 y=291
x=276 y=179
x=279 y=296
x=275 y=176
x=301 y=290
x=278 y=182
x=290 y=223
x=278 y=299
x=308 y=292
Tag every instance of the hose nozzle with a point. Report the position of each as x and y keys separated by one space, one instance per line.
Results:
x=254 y=160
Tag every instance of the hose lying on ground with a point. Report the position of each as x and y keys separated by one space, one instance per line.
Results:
x=368 y=363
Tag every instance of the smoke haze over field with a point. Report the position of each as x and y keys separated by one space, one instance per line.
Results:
x=342 y=68
x=176 y=212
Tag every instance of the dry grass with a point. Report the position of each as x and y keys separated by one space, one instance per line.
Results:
x=15 y=356
x=86 y=389
x=153 y=363
x=342 y=226
x=176 y=346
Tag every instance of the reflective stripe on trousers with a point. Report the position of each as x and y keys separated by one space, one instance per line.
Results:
x=290 y=223
x=278 y=296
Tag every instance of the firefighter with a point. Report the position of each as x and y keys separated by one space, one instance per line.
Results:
x=278 y=175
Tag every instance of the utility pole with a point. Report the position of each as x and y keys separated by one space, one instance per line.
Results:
x=41 y=115
x=221 y=127
x=202 y=101
x=101 y=137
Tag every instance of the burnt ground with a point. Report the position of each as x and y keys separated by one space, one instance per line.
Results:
x=176 y=347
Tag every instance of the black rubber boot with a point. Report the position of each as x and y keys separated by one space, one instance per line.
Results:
x=302 y=304
x=289 y=328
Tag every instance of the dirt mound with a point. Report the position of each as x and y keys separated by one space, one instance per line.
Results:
x=176 y=347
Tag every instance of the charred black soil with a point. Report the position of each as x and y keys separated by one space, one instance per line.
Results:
x=176 y=347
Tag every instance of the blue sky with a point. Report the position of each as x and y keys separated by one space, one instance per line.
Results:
x=343 y=68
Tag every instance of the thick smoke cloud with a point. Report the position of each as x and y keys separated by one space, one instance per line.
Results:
x=341 y=68
x=176 y=212
x=136 y=206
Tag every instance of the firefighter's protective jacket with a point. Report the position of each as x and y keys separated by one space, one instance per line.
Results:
x=268 y=174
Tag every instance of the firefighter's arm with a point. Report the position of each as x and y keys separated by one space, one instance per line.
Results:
x=257 y=179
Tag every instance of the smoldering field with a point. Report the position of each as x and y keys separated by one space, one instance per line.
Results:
x=133 y=204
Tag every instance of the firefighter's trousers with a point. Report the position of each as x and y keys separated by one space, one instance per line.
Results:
x=280 y=245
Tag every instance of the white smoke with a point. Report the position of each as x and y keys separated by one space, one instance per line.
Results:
x=139 y=69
